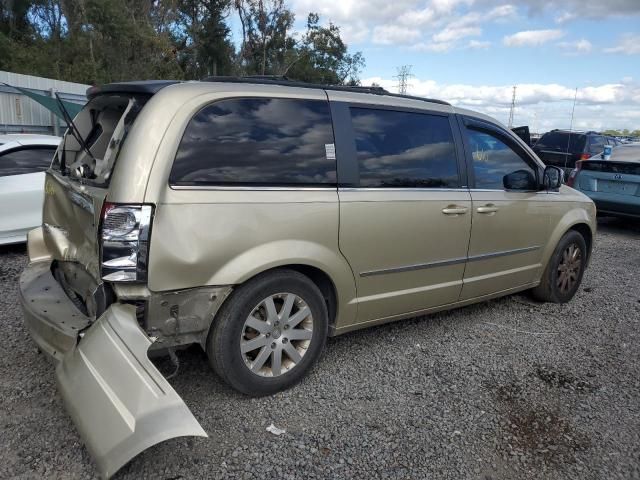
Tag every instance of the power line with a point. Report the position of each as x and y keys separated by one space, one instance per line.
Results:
x=404 y=74
x=513 y=106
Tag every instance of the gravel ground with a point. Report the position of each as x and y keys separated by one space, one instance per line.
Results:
x=508 y=389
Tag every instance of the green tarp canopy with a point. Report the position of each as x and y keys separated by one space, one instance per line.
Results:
x=50 y=103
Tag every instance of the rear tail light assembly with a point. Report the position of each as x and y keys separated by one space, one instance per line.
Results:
x=124 y=242
x=585 y=156
x=574 y=173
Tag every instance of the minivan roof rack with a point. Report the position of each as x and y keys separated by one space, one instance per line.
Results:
x=151 y=87
x=286 y=82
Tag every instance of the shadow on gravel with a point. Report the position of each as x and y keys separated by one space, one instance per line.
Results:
x=619 y=225
x=534 y=430
x=558 y=379
x=9 y=271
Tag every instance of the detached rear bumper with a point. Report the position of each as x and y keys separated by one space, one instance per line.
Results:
x=120 y=403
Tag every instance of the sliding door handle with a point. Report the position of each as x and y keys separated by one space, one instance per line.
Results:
x=488 y=208
x=454 y=210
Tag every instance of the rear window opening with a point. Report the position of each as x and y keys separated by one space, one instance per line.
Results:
x=103 y=125
x=562 y=142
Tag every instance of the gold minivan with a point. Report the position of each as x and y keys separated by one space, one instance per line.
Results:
x=255 y=217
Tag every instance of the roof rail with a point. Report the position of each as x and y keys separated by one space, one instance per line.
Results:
x=285 y=82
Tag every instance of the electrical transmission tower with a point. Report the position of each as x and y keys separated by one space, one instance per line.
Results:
x=513 y=106
x=404 y=74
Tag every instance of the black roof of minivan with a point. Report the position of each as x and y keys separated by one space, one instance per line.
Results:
x=151 y=87
x=148 y=87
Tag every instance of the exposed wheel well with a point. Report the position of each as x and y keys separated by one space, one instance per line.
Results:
x=584 y=230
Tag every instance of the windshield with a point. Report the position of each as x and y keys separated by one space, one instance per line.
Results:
x=560 y=140
x=103 y=125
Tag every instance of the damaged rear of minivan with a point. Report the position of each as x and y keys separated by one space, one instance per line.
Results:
x=84 y=291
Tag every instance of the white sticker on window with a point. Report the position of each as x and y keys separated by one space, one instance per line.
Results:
x=330 y=151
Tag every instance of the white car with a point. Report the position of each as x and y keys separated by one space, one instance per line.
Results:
x=23 y=160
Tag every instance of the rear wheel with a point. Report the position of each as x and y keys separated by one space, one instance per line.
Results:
x=269 y=333
x=563 y=275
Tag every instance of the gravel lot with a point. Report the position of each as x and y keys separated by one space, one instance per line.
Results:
x=508 y=389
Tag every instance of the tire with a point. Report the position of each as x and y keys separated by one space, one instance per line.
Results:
x=254 y=371
x=554 y=289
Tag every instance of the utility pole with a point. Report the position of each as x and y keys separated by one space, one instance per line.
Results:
x=404 y=74
x=573 y=109
x=513 y=106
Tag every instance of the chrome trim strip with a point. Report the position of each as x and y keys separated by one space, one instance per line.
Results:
x=400 y=189
x=485 y=256
x=418 y=266
x=452 y=261
x=247 y=188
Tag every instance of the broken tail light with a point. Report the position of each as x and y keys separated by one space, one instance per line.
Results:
x=124 y=242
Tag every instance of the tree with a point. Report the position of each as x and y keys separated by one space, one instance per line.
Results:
x=203 y=38
x=266 y=42
x=100 y=41
x=322 y=56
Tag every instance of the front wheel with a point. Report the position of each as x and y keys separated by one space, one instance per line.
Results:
x=269 y=333
x=563 y=275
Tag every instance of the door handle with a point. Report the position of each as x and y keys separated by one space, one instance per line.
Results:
x=489 y=208
x=454 y=210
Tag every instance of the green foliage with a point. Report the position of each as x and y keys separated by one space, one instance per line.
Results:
x=100 y=41
x=322 y=56
x=625 y=132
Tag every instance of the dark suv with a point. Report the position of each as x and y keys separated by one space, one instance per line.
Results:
x=563 y=148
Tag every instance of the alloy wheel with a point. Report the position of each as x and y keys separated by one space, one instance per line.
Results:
x=276 y=334
x=569 y=268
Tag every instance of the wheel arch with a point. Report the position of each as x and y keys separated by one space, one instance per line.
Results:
x=577 y=219
x=584 y=230
x=337 y=307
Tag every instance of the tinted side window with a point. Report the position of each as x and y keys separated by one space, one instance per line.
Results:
x=403 y=149
x=596 y=144
x=493 y=159
x=25 y=160
x=562 y=141
x=258 y=141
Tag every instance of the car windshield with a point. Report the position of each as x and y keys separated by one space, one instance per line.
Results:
x=561 y=140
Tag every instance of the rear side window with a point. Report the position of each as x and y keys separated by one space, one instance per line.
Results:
x=257 y=141
x=404 y=149
x=597 y=143
x=25 y=160
x=562 y=142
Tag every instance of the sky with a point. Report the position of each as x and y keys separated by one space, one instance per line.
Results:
x=472 y=52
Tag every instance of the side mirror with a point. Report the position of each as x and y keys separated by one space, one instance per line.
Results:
x=519 y=180
x=553 y=177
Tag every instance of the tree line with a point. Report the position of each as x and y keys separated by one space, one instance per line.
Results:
x=622 y=133
x=101 y=41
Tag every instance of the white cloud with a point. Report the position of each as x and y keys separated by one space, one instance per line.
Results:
x=573 y=9
x=478 y=44
x=452 y=33
x=532 y=38
x=575 y=48
x=629 y=45
x=381 y=21
x=434 y=47
x=394 y=34
x=614 y=105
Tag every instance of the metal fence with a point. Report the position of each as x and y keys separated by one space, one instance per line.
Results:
x=20 y=114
